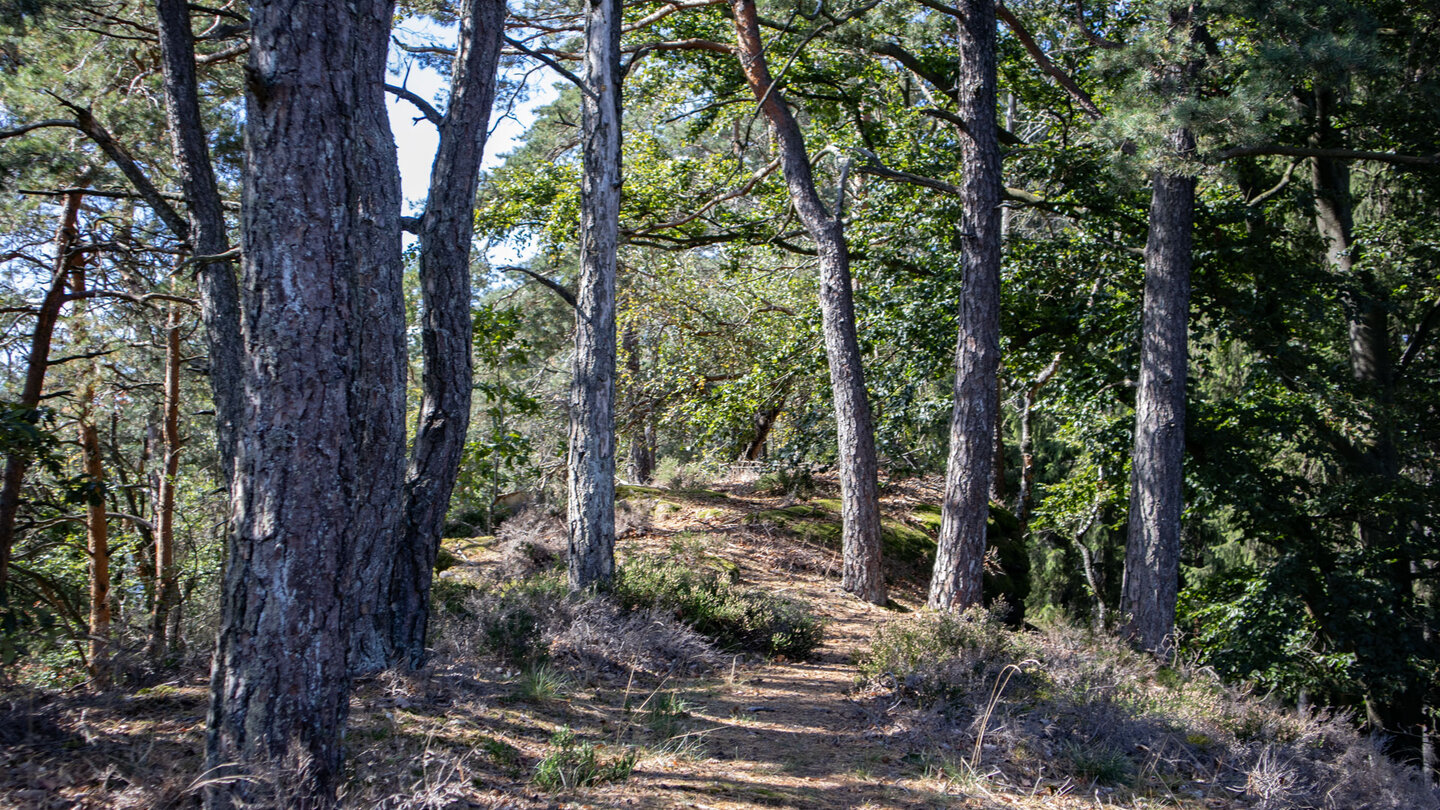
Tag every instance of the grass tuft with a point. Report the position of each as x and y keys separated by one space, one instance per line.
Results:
x=573 y=764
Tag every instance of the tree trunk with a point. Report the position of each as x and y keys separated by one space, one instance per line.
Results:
x=591 y=470
x=959 y=558
x=67 y=260
x=445 y=238
x=98 y=545
x=1152 y=547
x=642 y=454
x=764 y=421
x=319 y=467
x=219 y=295
x=1023 y=501
x=997 y=464
x=863 y=574
x=166 y=582
x=1401 y=713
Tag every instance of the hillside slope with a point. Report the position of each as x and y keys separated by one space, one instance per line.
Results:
x=531 y=691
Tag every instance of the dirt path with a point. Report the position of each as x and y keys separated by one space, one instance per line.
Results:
x=783 y=733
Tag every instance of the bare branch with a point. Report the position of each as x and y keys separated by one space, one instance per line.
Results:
x=85 y=121
x=226 y=54
x=874 y=167
x=1061 y=77
x=553 y=285
x=1090 y=36
x=1420 y=337
x=1409 y=161
x=1006 y=136
x=1261 y=198
x=426 y=108
x=552 y=64
x=49 y=122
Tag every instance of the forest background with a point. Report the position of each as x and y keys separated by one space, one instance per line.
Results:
x=1308 y=557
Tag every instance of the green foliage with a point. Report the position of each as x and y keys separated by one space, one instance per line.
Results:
x=572 y=764
x=737 y=618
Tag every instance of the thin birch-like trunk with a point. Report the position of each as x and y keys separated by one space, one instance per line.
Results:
x=591 y=464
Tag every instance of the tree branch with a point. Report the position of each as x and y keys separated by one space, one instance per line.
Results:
x=755 y=178
x=553 y=285
x=1420 y=337
x=49 y=122
x=86 y=123
x=1061 y=78
x=552 y=64
x=1409 y=161
x=426 y=108
x=1261 y=198
x=874 y=167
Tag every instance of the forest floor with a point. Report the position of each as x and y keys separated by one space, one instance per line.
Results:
x=471 y=731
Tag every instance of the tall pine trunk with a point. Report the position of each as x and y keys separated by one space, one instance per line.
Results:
x=1157 y=476
x=445 y=239
x=215 y=280
x=959 y=558
x=166 y=579
x=591 y=471
x=1152 y=547
x=67 y=260
x=320 y=448
x=862 y=573
x=97 y=543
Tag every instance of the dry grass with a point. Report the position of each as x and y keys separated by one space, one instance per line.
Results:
x=1049 y=720
x=1091 y=714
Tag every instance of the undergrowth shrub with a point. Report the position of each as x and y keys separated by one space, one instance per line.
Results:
x=736 y=618
x=531 y=622
x=573 y=764
x=1109 y=715
x=944 y=655
x=796 y=482
x=531 y=542
x=672 y=473
x=512 y=618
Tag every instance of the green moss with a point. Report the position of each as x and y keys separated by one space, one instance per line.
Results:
x=906 y=545
x=903 y=546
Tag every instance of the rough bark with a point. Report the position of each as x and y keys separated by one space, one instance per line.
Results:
x=215 y=280
x=166 y=581
x=97 y=542
x=1152 y=547
x=445 y=240
x=318 y=470
x=67 y=261
x=959 y=558
x=591 y=470
x=862 y=574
